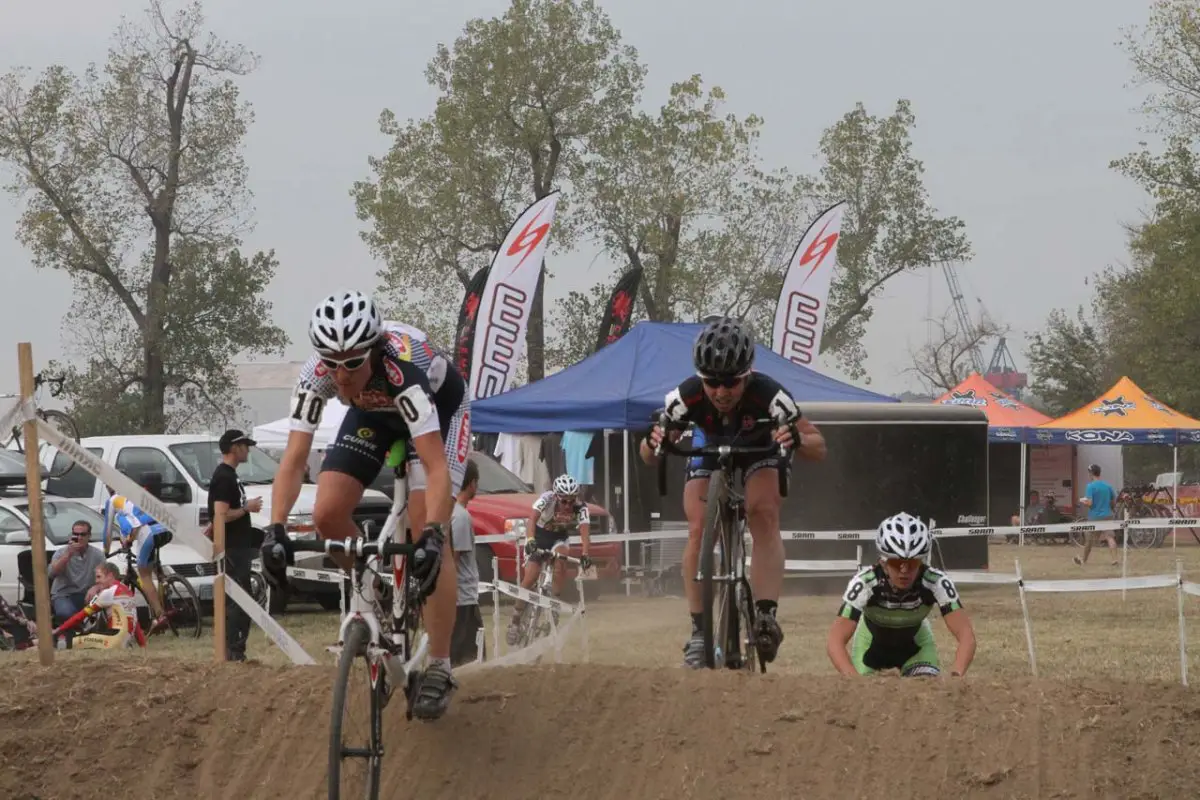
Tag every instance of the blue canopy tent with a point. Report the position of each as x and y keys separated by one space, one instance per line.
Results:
x=619 y=386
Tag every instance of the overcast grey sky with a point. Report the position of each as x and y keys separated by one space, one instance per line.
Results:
x=1020 y=106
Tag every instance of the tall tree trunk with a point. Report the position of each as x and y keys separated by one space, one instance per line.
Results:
x=535 y=336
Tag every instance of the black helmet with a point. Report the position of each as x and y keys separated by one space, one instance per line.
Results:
x=724 y=349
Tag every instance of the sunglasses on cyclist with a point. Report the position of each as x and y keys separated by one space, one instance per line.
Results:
x=898 y=563
x=722 y=383
x=352 y=363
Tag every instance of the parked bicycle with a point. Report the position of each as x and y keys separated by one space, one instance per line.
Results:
x=536 y=623
x=59 y=420
x=378 y=631
x=729 y=613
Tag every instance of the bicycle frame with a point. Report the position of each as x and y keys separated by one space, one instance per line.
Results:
x=363 y=605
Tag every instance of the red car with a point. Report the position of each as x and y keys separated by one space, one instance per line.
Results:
x=505 y=502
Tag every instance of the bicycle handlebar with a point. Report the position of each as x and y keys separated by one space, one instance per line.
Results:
x=358 y=547
x=559 y=555
x=771 y=448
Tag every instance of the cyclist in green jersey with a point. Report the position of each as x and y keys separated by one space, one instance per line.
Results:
x=886 y=607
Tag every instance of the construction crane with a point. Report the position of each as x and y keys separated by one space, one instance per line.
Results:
x=1001 y=370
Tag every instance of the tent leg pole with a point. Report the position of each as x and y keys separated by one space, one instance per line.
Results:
x=1024 y=494
x=625 y=504
x=607 y=476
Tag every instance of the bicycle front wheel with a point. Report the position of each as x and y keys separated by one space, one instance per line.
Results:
x=349 y=745
x=718 y=617
x=181 y=605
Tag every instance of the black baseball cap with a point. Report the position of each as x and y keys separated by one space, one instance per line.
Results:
x=234 y=436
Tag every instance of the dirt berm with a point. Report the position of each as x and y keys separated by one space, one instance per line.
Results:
x=159 y=729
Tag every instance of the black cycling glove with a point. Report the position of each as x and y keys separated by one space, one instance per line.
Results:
x=426 y=561
x=276 y=555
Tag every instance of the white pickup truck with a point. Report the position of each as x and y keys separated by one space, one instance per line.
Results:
x=186 y=463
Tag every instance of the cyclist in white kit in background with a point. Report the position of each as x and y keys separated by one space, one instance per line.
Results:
x=399 y=389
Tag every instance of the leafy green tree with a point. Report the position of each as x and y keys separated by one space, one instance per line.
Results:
x=134 y=184
x=681 y=195
x=1166 y=58
x=1070 y=362
x=890 y=225
x=521 y=96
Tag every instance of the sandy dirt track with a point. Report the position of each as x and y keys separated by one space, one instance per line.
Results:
x=607 y=731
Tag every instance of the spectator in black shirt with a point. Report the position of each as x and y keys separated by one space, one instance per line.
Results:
x=227 y=496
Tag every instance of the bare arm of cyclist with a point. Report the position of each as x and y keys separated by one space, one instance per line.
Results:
x=964 y=633
x=439 y=502
x=812 y=443
x=840 y=633
x=290 y=476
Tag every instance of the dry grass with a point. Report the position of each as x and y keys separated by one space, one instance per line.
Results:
x=1077 y=635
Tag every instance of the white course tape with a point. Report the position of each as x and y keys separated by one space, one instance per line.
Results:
x=537 y=599
x=272 y=628
x=793 y=565
x=980 y=577
x=21 y=411
x=190 y=535
x=1104 y=584
x=1192 y=588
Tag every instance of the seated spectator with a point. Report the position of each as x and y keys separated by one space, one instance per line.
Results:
x=120 y=603
x=72 y=571
x=1035 y=511
x=17 y=629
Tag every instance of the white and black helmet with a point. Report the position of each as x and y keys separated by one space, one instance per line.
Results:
x=903 y=536
x=566 y=485
x=346 y=320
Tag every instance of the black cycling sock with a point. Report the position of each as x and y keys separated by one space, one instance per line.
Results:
x=766 y=606
x=697 y=622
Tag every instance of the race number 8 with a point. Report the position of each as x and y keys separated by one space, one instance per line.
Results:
x=855 y=590
x=308 y=408
x=949 y=587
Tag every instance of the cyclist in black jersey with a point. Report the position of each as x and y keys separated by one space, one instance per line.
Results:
x=886 y=608
x=724 y=399
x=400 y=390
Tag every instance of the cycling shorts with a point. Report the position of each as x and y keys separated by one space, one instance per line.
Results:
x=149 y=538
x=548 y=540
x=364 y=439
x=921 y=652
x=703 y=466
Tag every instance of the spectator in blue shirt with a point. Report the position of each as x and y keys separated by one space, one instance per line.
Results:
x=1100 y=499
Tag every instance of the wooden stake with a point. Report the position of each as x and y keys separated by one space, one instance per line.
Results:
x=218 y=523
x=37 y=532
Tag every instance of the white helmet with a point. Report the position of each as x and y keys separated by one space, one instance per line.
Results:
x=903 y=536
x=566 y=485
x=346 y=320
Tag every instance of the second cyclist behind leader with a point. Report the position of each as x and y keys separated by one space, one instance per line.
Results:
x=555 y=514
x=721 y=401
x=398 y=389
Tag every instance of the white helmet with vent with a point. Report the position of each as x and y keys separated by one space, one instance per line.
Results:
x=566 y=485
x=903 y=536
x=345 y=320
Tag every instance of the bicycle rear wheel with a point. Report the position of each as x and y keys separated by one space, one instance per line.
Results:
x=353 y=665
x=66 y=426
x=719 y=614
x=181 y=605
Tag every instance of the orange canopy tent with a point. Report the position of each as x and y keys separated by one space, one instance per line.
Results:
x=1123 y=415
x=1007 y=417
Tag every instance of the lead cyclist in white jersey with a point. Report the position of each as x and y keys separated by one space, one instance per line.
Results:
x=399 y=389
